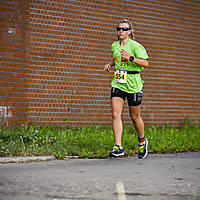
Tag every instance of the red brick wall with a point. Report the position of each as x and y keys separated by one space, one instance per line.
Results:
x=14 y=61
x=52 y=67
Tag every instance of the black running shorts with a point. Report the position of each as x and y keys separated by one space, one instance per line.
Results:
x=134 y=99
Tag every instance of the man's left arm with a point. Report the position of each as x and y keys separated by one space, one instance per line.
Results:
x=138 y=61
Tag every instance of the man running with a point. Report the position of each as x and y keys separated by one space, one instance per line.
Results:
x=129 y=58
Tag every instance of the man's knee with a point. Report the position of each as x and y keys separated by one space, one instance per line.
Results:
x=135 y=117
x=116 y=115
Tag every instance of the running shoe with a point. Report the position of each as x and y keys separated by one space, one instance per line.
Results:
x=117 y=151
x=142 y=149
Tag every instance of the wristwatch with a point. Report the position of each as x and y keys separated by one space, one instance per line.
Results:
x=131 y=58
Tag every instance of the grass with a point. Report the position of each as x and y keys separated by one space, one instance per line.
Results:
x=94 y=142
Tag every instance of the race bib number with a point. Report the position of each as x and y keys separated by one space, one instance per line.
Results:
x=121 y=76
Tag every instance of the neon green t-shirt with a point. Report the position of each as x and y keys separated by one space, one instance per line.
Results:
x=134 y=82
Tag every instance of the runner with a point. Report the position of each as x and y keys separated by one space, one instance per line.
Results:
x=129 y=58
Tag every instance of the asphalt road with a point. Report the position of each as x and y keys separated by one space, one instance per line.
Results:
x=157 y=177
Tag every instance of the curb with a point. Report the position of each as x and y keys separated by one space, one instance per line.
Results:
x=26 y=159
x=29 y=159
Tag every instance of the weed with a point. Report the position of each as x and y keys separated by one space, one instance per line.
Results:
x=94 y=142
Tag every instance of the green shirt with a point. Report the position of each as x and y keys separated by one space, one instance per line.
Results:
x=134 y=82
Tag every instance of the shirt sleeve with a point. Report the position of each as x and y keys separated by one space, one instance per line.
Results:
x=140 y=52
x=112 y=47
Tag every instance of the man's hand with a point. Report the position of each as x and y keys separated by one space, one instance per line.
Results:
x=107 y=67
x=125 y=54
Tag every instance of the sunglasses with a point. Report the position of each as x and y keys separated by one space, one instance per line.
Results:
x=123 y=29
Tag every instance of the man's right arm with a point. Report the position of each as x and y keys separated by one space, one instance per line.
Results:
x=109 y=65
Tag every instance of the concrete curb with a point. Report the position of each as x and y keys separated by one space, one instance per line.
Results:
x=26 y=159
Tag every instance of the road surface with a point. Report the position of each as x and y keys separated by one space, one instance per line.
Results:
x=157 y=177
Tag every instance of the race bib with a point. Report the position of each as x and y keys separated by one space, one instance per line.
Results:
x=120 y=76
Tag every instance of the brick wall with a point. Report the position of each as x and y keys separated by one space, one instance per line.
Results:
x=14 y=61
x=53 y=53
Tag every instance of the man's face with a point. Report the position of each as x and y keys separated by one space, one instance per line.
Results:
x=123 y=34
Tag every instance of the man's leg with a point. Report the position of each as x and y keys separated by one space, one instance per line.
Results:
x=137 y=121
x=139 y=126
x=117 y=106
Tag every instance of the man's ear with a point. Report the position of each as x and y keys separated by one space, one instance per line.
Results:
x=130 y=31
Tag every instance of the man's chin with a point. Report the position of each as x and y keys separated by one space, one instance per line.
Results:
x=121 y=37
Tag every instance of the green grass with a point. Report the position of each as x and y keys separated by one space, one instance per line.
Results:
x=94 y=142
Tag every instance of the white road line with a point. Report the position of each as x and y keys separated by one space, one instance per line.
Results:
x=120 y=190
